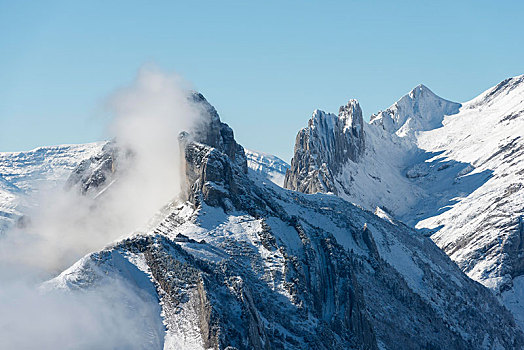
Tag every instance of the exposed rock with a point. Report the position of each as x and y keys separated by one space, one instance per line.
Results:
x=212 y=132
x=94 y=172
x=283 y=270
x=323 y=147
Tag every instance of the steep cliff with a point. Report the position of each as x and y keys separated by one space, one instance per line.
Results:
x=323 y=147
x=453 y=171
x=241 y=263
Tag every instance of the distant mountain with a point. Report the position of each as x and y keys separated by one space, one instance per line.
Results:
x=23 y=174
x=267 y=165
x=417 y=111
x=239 y=262
x=453 y=171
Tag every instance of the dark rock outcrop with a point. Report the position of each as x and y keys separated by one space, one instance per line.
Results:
x=212 y=132
x=214 y=163
x=324 y=147
x=92 y=173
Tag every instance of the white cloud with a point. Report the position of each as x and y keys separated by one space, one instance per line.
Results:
x=148 y=116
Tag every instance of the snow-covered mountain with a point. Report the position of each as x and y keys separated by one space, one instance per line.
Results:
x=267 y=165
x=23 y=174
x=482 y=228
x=323 y=147
x=453 y=171
x=239 y=262
x=417 y=111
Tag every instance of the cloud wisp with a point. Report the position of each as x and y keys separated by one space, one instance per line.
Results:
x=148 y=115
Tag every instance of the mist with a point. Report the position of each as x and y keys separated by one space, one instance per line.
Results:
x=110 y=316
x=148 y=116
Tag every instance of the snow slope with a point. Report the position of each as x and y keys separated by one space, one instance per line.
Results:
x=417 y=111
x=23 y=174
x=241 y=262
x=453 y=171
x=267 y=165
x=482 y=231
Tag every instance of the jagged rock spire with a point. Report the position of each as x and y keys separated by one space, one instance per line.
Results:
x=209 y=130
x=324 y=146
x=214 y=163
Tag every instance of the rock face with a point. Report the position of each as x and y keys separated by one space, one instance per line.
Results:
x=323 y=147
x=240 y=263
x=212 y=132
x=453 y=171
x=207 y=172
x=92 y=173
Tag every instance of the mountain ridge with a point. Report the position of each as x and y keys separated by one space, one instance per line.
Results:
x=442 y=179
x=239 y=262
x=243 y=263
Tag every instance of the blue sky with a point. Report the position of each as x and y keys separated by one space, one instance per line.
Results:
x=264 y=65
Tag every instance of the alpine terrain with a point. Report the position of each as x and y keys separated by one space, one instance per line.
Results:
x=267 y=165
x=24 y=174
x=454 y=172
x=238 y=262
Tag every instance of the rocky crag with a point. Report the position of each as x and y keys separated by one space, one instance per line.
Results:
x=453 y=171
x=239 y=263
x=323 y=147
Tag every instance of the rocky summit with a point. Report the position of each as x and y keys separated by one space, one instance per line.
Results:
x=323 y=147
x=453 y=171
x=240 y=263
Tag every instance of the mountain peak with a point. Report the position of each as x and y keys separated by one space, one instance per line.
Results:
x=351 y=116
x=421 y=87
x=324 y=146
x=421 y=91
x=352 y=104
x=419 y=110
